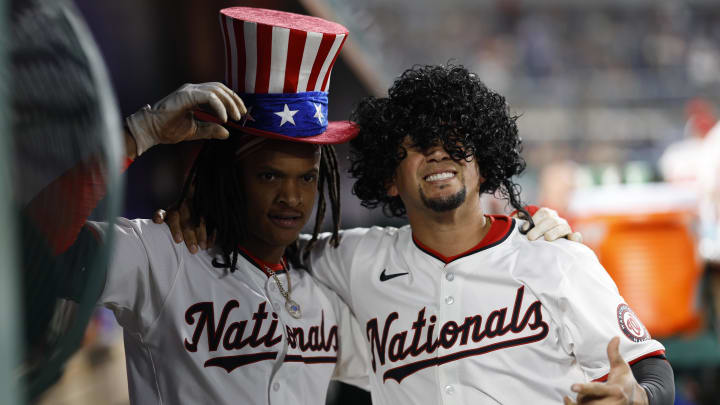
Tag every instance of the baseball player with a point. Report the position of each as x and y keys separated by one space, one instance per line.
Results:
x=459 y=307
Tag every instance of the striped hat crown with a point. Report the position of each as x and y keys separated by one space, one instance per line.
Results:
x=280 y=65
x=268 y=51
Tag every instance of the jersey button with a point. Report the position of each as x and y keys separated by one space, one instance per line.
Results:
x=450 y=277
x=449 y=300
x=449 y=389
x=276 y=386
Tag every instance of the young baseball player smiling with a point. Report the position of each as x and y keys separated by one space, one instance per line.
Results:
x=459 y=307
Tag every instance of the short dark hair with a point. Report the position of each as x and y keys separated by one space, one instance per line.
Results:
x=215 y=193
x=443 y=104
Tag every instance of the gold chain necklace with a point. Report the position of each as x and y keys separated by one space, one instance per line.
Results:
x=292 y=307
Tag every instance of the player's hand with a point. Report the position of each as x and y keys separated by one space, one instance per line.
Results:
x=183 y=229
x=621 y=387
x=549 y=224
x=171 y=120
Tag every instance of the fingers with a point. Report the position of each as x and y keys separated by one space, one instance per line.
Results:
x=172 y=219
x=159 y=216
x=208 y=97
x=568 y=401
x=238 y=101
x=188 y=231
x=221 y=99
x=559 y=231
x=201 y=232
x=227 y=100
x=614 y=388
x=210 y=130
x=211 y=241
x=575 y=237
x=613 y=352
x=594 y=390
x=550 y=227
x=543 y=213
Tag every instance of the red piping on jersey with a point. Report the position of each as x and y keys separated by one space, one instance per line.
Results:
x=262 y=264
x=656 y=353
x=500 y=228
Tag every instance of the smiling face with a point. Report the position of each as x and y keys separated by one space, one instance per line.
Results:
x=431 y=179
x=280 y=183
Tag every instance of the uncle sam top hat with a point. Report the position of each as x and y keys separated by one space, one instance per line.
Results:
x=279 y=63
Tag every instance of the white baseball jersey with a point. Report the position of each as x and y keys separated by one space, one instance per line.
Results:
x=196 y=333
x=508 y=322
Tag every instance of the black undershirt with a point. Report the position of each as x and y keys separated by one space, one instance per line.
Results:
x=655 y=375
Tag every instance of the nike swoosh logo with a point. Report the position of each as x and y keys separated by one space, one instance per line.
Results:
x=386 y=277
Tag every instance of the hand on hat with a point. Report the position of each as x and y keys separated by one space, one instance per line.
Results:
x=171 y=120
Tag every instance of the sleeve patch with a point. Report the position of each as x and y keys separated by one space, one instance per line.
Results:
x=630 y=324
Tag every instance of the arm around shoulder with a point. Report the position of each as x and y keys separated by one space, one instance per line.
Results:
x=333 y=266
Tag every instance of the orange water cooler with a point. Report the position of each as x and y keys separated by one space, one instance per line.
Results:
x=642 y=235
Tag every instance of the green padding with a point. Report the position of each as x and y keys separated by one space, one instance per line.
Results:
x=695 y=351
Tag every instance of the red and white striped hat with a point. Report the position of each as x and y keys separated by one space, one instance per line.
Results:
x=280 y=65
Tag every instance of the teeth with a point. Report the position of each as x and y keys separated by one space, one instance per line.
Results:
x=440 y=176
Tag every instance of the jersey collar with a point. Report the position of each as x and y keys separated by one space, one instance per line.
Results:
x=261 y=264
x=500 y=228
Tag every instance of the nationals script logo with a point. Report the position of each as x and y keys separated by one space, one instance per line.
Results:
x=451 y=334
x=235 y=336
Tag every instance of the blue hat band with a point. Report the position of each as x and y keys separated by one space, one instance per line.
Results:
x=296 y=115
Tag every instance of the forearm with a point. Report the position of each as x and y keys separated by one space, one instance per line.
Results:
x=130 y=145
x=655 y=375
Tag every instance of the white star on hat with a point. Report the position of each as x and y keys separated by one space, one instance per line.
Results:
x=318 y=113
x=287 y=115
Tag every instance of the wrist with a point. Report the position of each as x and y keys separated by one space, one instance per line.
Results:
x=139 y=129
x=130 y=145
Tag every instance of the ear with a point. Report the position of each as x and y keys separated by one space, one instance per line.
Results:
x=481 y=177
x=392 y=190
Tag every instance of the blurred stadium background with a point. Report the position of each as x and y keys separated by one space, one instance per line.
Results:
x=618 y=101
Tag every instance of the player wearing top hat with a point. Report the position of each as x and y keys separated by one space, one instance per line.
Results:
x=241 y=323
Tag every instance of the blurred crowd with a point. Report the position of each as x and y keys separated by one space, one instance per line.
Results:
x=557 y=51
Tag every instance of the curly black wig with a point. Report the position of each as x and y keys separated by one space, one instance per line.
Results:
x=434 y=105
